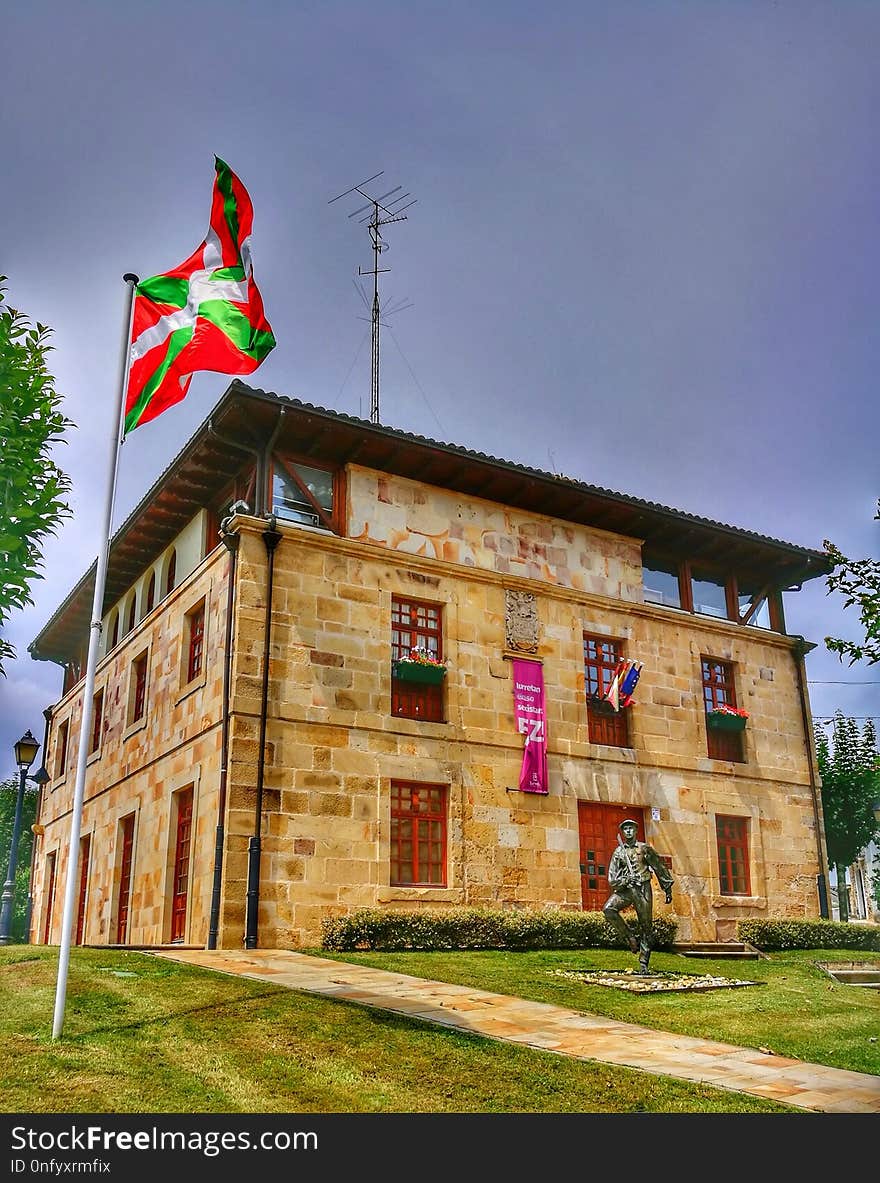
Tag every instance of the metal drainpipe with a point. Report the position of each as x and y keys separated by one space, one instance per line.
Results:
x=271 y=538
x=261 y=455
x=799 y=650
x=231 y=542
x=42 y=777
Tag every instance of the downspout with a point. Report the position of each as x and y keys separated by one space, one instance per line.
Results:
x=799 y=650
x=260 y=453
x=42 y=778
x=263 y=473
x=271 y=538
x=231 y=542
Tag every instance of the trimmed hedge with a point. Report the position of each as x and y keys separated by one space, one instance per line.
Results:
x=808 y=934
x=479 y=928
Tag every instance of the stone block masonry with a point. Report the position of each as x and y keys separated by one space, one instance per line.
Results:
x=334 y=749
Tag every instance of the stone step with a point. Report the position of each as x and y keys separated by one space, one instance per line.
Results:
x=857 y=977
x=710 y=946
x=149 y=948
x=722 y=954
x=722 y=950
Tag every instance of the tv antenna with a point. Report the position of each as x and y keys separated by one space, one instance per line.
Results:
x=378 y=212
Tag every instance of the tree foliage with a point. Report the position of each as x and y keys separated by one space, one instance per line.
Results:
x=859 y=581
x=32 y=487
x=8 y=795
x=850 y=768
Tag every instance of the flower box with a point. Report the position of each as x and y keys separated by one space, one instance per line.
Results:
x=721 y=721
x=418 y=671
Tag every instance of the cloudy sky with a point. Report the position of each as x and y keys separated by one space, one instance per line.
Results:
x=645 y=251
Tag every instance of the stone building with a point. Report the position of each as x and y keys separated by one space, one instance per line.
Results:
x=374 y=790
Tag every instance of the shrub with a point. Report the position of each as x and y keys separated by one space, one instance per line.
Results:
x=478 y=928
x=808 y=934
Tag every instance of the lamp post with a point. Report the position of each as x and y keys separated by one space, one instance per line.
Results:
x=25 y=753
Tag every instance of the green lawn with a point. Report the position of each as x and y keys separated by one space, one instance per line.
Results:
x=147 y=1035
x=798 y=1012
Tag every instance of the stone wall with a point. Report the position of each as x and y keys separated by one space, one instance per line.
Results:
x=188 y=548
x=412 y=518
x=334 y=748
x=137 y=769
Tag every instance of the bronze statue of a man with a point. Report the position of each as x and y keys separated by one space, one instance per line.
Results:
x=629 y=876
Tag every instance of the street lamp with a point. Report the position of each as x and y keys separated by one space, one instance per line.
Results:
x=25 y=753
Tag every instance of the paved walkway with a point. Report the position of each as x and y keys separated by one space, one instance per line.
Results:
x=555 y=1029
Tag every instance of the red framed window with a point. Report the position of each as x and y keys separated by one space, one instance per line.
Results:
x=601 y=655
x=718 y=690
x=126 y=862
x=97 y=721
x=418 y=834
x=50 y=895
x=61 y=746
x=415 y=623
x=85 y=850
x=241 y=489
x=302 y=492
x=180 y=882
x=661 y=580
x=150 y=597
x=73 y=671
x=114 y=631
x=139 y=689
x=130 y=619
x=732 y=834
x=170 y=573
x=196 y=642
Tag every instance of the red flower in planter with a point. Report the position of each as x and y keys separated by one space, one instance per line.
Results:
x=726 y=709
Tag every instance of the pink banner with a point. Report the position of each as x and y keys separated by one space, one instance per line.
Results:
x=530 y=715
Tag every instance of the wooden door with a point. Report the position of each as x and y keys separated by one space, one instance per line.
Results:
x=180 y=881
x=597 y=830
x=125 y=870
x=85 y=848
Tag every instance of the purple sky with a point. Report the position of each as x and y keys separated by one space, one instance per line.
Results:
x=645 y=251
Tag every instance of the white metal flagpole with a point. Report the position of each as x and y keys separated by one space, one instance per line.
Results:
x=70 y=892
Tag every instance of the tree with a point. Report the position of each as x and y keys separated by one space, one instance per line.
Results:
x=850 y=770
x=859 y=581
x=32 y=487
x=8 y=795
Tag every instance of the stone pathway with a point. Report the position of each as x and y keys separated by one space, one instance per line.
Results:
x=555 y=1029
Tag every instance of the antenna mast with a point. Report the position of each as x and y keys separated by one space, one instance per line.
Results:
x=381 y=212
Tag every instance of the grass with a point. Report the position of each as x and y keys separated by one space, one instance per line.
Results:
x=799 y=1011
x=144 y=1035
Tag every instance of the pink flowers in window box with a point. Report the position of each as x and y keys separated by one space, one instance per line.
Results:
x=419 y=666
x=423 y=657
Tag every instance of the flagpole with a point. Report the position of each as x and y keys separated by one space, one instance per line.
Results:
x=89 y=688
